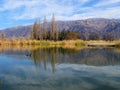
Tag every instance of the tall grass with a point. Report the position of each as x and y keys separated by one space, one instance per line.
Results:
x=45 y=43
x=118 y=44
x=28 y=42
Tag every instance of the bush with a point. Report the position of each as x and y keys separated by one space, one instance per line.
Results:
x=72 y=36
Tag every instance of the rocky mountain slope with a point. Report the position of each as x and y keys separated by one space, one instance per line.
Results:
x=98 y=25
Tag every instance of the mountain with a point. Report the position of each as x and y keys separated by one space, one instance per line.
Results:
x=17 y=32
x=98 y=25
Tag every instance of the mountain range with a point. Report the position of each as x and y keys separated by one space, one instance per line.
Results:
x=98 y=25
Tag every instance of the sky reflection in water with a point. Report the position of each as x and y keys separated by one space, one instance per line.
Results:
x=60 y=69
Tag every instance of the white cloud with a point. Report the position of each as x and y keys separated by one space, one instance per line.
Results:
x=64 y=9
x=106 y=13
x=41 y=8
x=13 y=4
x=107 y=2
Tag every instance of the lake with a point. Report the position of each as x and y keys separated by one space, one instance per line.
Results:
x=60 y=69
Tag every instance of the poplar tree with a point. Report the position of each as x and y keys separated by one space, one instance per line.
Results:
x=52 y=29
x=2 y=36
x=31 y=33
x=45 y=28
x=36 y=32
x=40 y=29
x=56 y=32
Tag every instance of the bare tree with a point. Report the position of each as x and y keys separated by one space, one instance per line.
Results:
x=45 y=28
x=108 y=37
x=56 y=32
x=37 y=31
x=41 y=32
x=52 y=29
x=86 y=35
x=94 y=36
x=2 y=36
x=31 y=33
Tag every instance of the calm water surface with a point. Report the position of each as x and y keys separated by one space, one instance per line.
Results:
x=60 y=69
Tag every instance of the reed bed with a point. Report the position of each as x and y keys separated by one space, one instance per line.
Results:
x=118 y=44
x=28 y=42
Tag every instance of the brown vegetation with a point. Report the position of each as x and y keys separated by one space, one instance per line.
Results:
x=28 y=42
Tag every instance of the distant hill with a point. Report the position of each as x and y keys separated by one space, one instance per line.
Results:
x=17 y=32
x=99 y=25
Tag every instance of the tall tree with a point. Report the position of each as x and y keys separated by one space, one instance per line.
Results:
x=85 y=36
x=94 y=36
x=31 y=33
x=37 y=30
x=56 y=32
x=2 y=36
x=52 y=30
x=41 y=32
x=45 y=28
x=34 y=31
x=108 y=36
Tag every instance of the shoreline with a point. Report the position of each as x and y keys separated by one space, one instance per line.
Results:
x=66 y=43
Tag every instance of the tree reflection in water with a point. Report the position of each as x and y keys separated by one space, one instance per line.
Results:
x=88 y=56
x=50 y=55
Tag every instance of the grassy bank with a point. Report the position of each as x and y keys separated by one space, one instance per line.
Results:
x=27 y=42
x=118 y=44
x=65 y=43
x=115 y=43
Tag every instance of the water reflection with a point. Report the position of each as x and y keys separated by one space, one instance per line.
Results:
x=51 y=55
x=89 y=56
x=86 y=69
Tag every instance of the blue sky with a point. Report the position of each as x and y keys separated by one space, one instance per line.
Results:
x=24 y=12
